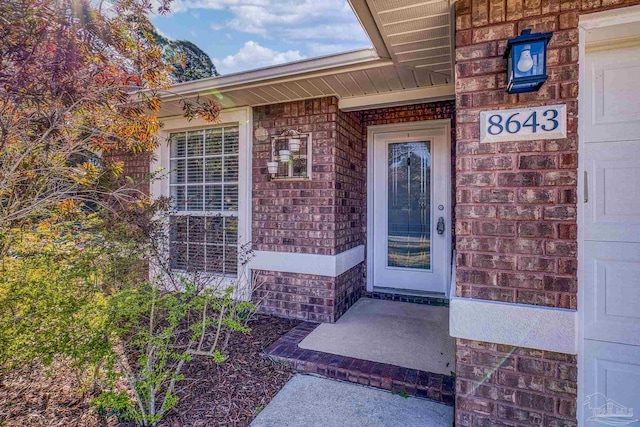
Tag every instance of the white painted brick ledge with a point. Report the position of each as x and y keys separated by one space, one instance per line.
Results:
x=521 y=325
x=321 y=265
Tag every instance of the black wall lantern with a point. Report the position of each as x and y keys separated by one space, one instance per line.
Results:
x=526 y=57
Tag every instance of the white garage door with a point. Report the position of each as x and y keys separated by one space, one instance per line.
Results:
x=610 y=234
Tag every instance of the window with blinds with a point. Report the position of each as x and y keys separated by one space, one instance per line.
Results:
x=204 y=181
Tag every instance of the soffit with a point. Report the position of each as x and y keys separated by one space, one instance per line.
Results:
x=412 y=33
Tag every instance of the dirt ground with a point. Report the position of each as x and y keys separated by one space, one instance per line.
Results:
x=227 y=394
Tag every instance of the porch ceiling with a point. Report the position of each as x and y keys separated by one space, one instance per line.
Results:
x=412 y=33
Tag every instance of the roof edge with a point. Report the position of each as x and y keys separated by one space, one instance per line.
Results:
x=289 y=69
x=368 y=23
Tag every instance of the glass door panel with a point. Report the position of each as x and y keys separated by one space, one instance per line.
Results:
x=409 y=205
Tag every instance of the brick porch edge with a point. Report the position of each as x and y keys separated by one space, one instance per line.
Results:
x=436 y=387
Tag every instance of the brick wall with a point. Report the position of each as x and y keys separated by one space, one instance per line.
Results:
x=516 y=228
x=514 y=386
x=309 y=297
x=322 y=216
x=351 y=181
x=348 y=288
x=516 y=210
x=296 y=216
x=136 y=167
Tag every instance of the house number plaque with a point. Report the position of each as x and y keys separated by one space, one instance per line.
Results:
x=524 y=124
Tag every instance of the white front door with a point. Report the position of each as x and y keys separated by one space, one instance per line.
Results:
x=411 y=232
x=610 y=235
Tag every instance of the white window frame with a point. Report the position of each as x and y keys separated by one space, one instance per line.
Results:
x=241 y=117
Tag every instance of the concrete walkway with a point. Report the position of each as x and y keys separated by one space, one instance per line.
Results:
x=307 y=401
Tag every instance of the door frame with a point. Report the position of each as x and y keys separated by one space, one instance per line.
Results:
x=425 y=125
x=607 y=23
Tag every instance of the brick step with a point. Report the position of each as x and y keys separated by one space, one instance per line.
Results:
x=412 y=382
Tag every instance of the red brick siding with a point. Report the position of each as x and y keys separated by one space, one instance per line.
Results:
x=409 y=113
x=516 y=201
x=136 y=167
x=348 y=288
x=322 y=216
x=296 y=216
x=307 y=296
x=298 y=296
x=516 y=211
x=326 y=215
x=499 y=385
x=351 y=181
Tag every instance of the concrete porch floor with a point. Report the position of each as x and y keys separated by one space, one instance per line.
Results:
x=409 y=335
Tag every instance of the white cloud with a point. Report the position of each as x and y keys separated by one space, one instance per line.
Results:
x=184 y=5
x=252 y=55
x=288 y=27
x=296 y=19
x=290 y=19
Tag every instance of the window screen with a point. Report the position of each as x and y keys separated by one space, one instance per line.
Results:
x=204 y=181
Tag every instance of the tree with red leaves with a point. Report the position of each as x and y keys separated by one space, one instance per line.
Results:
x=78 y=79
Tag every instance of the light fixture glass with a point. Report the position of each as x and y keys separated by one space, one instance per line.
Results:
x=526 y=61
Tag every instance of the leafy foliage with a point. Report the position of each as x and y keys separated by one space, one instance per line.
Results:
x=189 y=62
x=80 y=80
x=50 y=299
x=76 y=78
x=151 y=320
x=78 y=288
x=163 y=323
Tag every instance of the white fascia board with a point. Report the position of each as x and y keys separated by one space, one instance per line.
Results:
x=320 y=265
x=520 y=325
x=368 y=23
x=324 y=65
x=391 y=99
x=608 y=18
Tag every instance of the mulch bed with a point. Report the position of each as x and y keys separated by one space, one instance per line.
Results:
x=227 y=394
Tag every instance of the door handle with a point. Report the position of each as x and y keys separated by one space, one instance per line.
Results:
x=440 y=226
x=585 y=187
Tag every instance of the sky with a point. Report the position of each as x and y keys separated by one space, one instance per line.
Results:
x=242 y=35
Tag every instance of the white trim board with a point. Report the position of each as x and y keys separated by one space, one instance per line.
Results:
x=320 y=265
x=610 y=18
x=520 y=325
x=401 y=97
